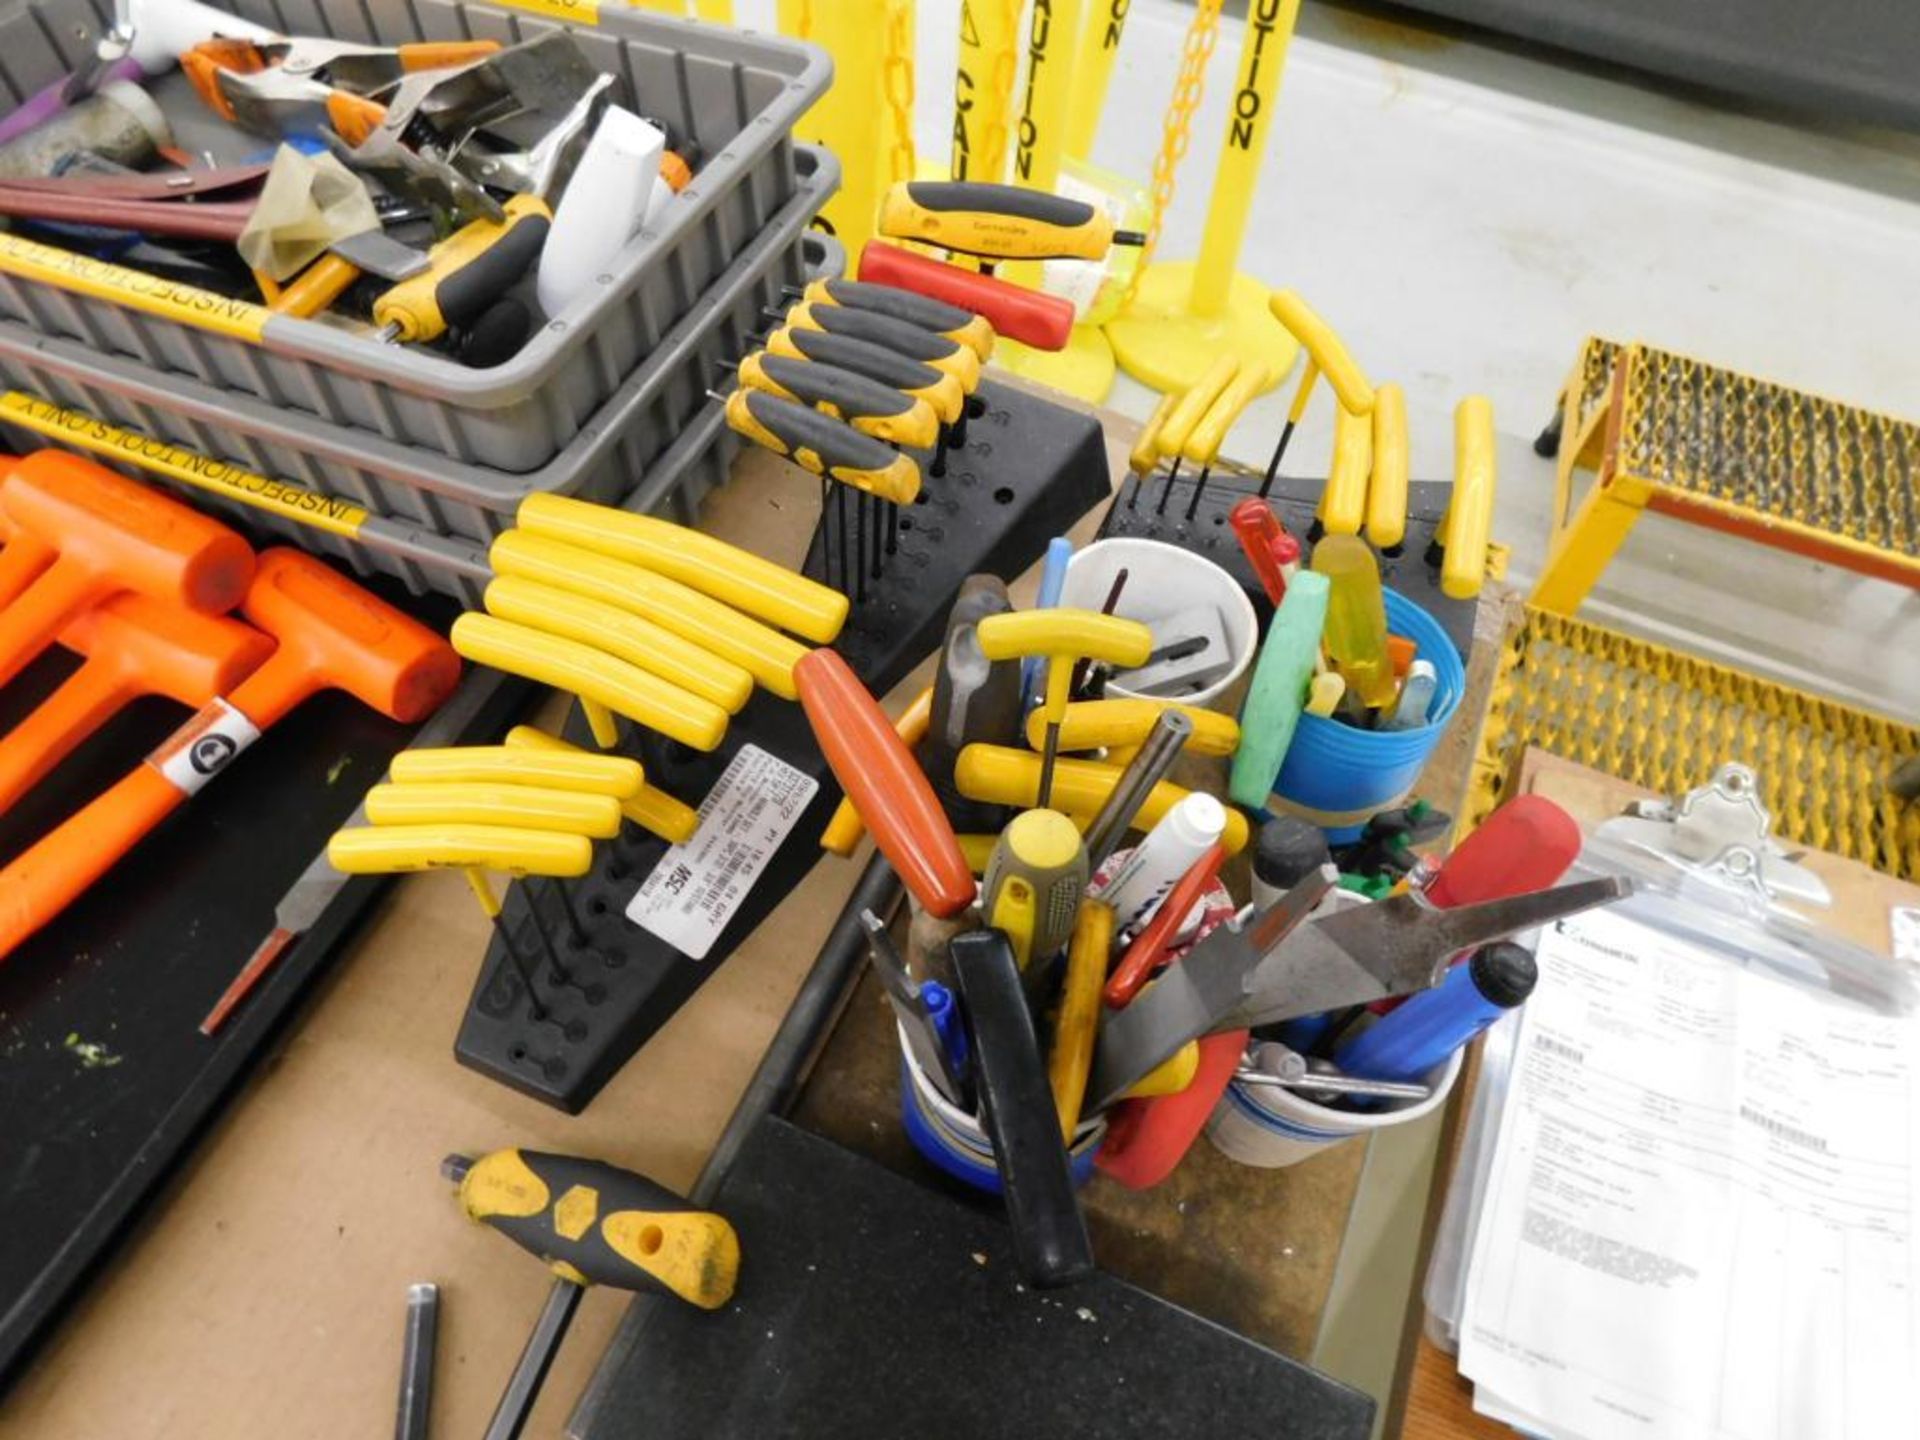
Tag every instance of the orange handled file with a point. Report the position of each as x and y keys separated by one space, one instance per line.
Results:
x=111 y=535
x=332 y=635
x=885 y=783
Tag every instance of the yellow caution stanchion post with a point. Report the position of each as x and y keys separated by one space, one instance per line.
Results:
x=871 y=42
x=1185 y=314
x=1058 y=95
x=983 y=89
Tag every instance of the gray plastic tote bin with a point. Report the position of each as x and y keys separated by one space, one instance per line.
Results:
x=736 y=95
x=657 y=445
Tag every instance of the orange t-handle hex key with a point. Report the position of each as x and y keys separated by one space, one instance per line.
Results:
x=134 y=646
x=331 y=634
x=111 y=535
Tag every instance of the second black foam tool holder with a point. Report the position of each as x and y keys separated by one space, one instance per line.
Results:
x=1028 y=470
x=1156 y=508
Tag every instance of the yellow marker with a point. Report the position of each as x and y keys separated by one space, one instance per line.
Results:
x=1106 y=724
x=1356 y=628
x=593 y=675
x=999 y=775
x=1170 y=1076
x=740 y=578
x=1343 y=373
x=1192 y=407
x=1325 y=693
x=1387 y=491
x=649 y=807
x=1467 y=526
x=1144 y=458
x=522 y=807
x=762 y=651
x=844 y=830
x=1079 y=1019
x=1343 y=504
x=402 y=849
x=576 y=770
x=621 y=634
x=1203 y=444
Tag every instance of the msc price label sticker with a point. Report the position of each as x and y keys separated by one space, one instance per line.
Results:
x=693 y=892
x=204 y=746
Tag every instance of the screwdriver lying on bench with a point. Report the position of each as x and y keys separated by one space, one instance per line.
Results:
x=592 y=1224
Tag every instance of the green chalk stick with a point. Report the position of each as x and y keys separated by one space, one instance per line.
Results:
x=1279 y=690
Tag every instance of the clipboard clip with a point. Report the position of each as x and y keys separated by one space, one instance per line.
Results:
x=1723 y=834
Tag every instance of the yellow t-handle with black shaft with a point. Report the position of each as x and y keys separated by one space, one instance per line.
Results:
x=591 y=1223
x=1062 y=635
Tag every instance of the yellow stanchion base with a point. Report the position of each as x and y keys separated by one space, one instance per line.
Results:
x=1084 y=369
x=1161 y=343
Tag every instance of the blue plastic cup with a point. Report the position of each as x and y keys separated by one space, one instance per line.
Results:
x=957 y=1143
x=1337 y=776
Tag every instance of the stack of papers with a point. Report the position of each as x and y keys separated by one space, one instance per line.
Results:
x=1699 y=1219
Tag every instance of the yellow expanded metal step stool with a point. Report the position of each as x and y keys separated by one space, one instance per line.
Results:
x=1717 y=448
x=1667 y=721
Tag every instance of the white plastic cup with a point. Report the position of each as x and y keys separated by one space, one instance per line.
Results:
x=1163 y=580
x=1269 y=1127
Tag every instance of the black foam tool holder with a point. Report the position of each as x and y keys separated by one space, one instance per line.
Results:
x=1029 y=470
x=1156 y=509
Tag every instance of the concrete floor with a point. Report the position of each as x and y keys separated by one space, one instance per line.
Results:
x=1464 y=211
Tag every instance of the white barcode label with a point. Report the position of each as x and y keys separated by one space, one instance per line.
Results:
x=694 y=890
x=204 y=746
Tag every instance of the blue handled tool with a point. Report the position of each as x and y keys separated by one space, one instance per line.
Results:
x=1422 y=1033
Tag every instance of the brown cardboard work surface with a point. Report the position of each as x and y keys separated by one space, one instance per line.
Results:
x=1434 y=1402
x=265 y=1293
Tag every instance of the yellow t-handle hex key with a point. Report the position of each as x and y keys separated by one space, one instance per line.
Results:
x=759 y=649
x=593 y=675
x=864 y=404
x=513 y=807
x=1387 y=492
x=1460 y=540
x=1343 y=503
x=1173 y=427
x=568 y=769
x=748 y=582
x=1326 y=355
x=648 y=806
x=473 y=850
x=623 y=635
x=1203 y=442
x=1001 y=775
x=1062 y=635
x=999 y=222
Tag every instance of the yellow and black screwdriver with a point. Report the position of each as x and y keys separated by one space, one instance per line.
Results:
x=954 y=322
x=466 y=275
x=591 y=1223
x=999 y=222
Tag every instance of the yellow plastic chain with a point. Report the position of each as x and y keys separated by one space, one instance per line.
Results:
x=897 y=70
x=1202 y=35
x=995 y=145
